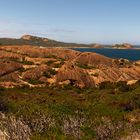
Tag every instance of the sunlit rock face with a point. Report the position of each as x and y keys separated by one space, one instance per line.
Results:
x=33 y=38
x=20 y=65
x=123 y=46
x=75 y=75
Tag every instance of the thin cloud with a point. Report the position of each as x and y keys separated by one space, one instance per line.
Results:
x=22 y=23
x=6 y=21
x=62 y=30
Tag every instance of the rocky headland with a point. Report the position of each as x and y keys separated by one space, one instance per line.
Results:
x=123 y=46
x=46 y=42
x=34 y=66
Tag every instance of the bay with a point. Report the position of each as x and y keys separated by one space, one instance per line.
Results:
x=130 y=54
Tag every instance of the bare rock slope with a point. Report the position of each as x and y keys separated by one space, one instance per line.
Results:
x=32 y=65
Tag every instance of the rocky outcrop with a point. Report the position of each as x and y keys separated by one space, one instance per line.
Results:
x=36 y=52
x=34 y=73
x=12 y=77
x=98 y=46
x=7 y=67
x=34 y=38
x=133 y=72
x=76 y=76
x=114 y=74
x=31 y=65
x=127 y=46
x=93 y=59
x=137 y=62
x=123 y=46
x=10 y=55
x=9 y=84
x=26 y=37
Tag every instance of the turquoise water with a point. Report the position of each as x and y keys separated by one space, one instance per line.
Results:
x=131 y=54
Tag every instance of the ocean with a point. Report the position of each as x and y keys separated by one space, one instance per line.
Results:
x=130 y=54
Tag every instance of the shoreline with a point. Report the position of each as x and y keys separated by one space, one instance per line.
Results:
x=100 y=48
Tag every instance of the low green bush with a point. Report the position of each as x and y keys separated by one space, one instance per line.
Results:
x=49 y=62
x=47 y=75
x=72 y=113
x=27 y=63
x=106 y=85
x=2 y=89
x=34 y=81
x=52 y=71
x=84 y=66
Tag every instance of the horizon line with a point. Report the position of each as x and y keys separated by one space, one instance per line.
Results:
x=63 y=41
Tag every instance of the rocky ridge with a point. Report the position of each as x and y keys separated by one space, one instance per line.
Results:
x=123 y=46
x=31 y=65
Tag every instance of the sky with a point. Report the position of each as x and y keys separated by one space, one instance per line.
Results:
x=80 y=21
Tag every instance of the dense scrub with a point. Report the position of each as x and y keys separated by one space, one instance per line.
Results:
x=109 y=112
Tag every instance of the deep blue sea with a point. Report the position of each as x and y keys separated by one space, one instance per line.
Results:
x=130 y=54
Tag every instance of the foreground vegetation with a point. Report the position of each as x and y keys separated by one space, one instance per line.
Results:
x=109 y=112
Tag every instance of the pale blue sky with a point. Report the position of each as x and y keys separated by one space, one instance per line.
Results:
x=83 y=21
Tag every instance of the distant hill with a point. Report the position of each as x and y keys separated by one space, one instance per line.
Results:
x=38 y=41
x=123 y=46
x=46 y=42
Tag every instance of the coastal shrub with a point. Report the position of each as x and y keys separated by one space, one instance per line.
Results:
x=127 y=106
x=34 y=81
x=105 y=85
x=3 y=106
x=88 y=132
x=59 y=64
x=25 y=87
x=51 y=56
x=14 y=59
x=84 y=66
x=49 y=62
x=73 y=88
x=1 y=89
x=52 y=71
x=27 y=62
x=122 y=86
x=22 y=70
x=56 y=113
x=134 y=86
x=62 y=59
x=46 y=74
